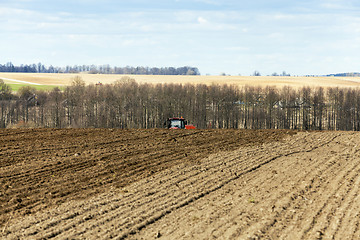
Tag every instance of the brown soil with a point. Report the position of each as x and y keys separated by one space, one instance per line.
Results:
x=201 y=184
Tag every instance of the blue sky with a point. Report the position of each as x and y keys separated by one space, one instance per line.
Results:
x=234 y=37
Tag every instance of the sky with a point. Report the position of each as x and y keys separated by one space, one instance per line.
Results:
x=235 y=37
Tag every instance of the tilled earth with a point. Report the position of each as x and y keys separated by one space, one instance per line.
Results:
x=196 y=184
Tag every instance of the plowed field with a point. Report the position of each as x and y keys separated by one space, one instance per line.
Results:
x=200 y=184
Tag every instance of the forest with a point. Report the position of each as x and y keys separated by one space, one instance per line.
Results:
x=128 y=104
x=99 y=69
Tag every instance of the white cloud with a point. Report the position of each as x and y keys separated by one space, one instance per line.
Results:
x=285 y=17
x=6 y=12
x=202 y=20
x=239 y=49
x=210 y=2
x=337 y=5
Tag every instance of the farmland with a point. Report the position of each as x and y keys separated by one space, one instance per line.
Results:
x=198 y=184
x=103 y=183
x=261 y=81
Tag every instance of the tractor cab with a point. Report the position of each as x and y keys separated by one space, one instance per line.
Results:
x=178 y=123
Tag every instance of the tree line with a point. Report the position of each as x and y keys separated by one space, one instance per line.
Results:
x=128 y=104
x=349 y=74
x=99 y=69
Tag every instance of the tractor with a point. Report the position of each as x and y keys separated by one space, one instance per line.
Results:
x=178 y=123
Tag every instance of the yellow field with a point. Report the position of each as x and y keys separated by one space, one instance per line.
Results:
x=65 y=79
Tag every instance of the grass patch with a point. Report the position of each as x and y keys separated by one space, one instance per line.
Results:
x=16 y=87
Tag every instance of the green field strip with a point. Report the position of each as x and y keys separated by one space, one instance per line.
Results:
x=16 y=87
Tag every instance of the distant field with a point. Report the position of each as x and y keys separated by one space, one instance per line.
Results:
x=65 y=79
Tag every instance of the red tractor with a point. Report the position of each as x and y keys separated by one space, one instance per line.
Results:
x=178 y=123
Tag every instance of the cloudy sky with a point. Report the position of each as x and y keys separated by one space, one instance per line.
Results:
x=230 y=36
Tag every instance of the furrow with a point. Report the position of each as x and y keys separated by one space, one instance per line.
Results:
x=244 y=177
x=240 y=181
x=345 y=218
x=283 y=207
x=138 y=228
x=184 y=201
